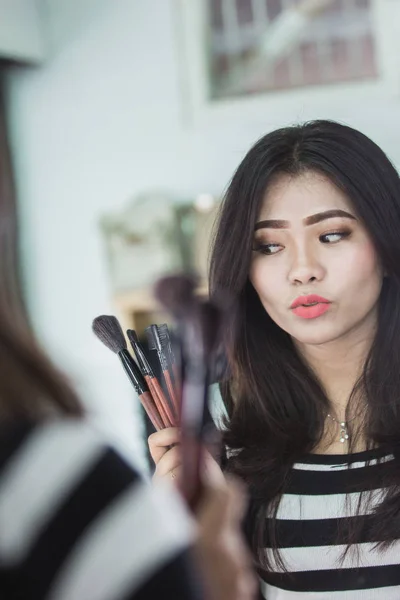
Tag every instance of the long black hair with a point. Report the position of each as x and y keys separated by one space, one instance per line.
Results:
x=30 y=386
x=276 y=406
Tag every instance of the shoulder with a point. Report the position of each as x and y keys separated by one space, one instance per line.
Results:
x=56 y=457
x=71 y=504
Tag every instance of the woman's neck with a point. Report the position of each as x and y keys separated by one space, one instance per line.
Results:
x=338 y=365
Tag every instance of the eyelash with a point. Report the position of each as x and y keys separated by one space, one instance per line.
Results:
x=342 y=235
x=265 y=248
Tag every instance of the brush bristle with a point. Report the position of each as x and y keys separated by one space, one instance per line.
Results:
x=132 y=336
x=176 y=293
x=151 y=342
x=108 y=330
x=162 y=330
x=211 y=317
x=167 y=341
x=163 y=334
x=156 y=337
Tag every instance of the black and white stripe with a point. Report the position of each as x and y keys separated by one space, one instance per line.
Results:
x=77 y=522
x=312 y=533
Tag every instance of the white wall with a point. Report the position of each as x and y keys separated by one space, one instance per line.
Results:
x=102 y=120
x=21 y=35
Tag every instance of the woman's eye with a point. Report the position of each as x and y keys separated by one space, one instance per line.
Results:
x=333 y=237
x=267 y=248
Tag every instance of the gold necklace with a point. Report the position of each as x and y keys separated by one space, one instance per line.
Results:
x=344 y=432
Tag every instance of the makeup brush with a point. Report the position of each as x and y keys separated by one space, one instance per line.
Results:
x=154 y=343
x=160 y=400
x=199 y=330
x=202 y=334
x=166 y=343
x=176 y=293
x=173 y=366
x=205 y=332
x=109 y=332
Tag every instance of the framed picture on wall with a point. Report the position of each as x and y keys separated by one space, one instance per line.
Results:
x=257 y=46
x=241 y=54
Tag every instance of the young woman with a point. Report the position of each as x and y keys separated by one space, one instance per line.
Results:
x=76 y=521
x=308 y=242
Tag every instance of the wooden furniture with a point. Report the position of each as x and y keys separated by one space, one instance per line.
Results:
x=137 y=309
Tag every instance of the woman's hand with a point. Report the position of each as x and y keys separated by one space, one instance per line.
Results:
x=224 y=560
x=166 y=453
x=165 y=450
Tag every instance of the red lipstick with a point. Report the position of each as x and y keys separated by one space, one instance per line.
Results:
x=310 y=307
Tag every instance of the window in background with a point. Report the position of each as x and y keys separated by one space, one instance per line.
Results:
x=263 y=45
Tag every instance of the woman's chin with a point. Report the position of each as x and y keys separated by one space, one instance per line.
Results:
x=314 y=336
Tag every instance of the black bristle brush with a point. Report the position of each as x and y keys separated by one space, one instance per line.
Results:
x=176 y=293
x=155 y=343
x=199 y=325
x=166 y=343
x=109 y=332
x=165 y=411
x=201 y=337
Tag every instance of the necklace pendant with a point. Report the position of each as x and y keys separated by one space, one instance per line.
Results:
x=344 y=436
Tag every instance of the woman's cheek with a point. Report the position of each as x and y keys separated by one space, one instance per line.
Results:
x=266 y=279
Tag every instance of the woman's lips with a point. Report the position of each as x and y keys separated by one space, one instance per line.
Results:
x=310 y=307
x=311 y=312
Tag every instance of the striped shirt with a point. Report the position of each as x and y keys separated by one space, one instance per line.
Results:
x=78 y=523
x=311 y=533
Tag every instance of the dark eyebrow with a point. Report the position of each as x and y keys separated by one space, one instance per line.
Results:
x=312 y=220
x=328 y=214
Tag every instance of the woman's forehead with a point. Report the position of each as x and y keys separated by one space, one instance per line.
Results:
x=299 y=196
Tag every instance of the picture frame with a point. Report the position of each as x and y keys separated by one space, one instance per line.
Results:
x=202 y=109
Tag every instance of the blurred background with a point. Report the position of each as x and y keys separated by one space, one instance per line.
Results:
x=126 y=121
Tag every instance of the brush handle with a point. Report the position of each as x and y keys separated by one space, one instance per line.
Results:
x=132 y=371
x=176 y=374
x=172 y=394
x=140 y=355
x=136 y=378
x=193 y=433
x=159 y=400
x=164 y=403
x=151 y=410
x=191 y=483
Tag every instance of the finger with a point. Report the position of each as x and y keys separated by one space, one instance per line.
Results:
x=223 y=505
x=160 y=442
x=175 y=476
x=169 y=461
x=211 y=507
x=237 y=501
x=211 y=471
x=248 y=586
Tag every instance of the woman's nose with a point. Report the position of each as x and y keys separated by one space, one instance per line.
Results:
x=305 y=269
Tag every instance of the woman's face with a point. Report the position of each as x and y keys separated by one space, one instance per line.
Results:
x=314 y=266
